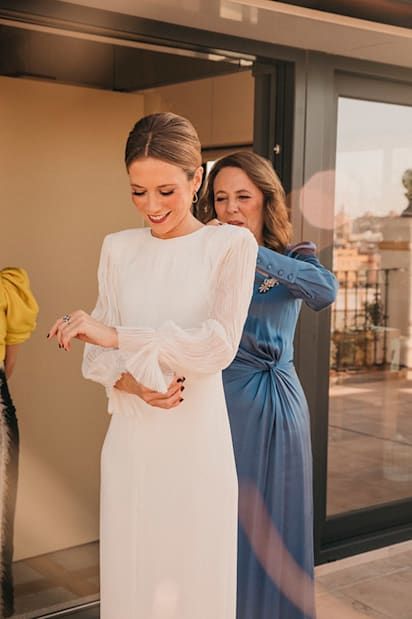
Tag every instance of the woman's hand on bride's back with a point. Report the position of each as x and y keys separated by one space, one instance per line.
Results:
x=170 y=399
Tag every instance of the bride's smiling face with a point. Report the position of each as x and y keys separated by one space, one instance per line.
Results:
x=163 y=194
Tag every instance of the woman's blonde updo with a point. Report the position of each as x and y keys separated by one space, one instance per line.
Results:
x=168 y=137
x=277 y=229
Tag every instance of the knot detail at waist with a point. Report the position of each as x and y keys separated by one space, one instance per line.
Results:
x=250 y=361
x=278 y=365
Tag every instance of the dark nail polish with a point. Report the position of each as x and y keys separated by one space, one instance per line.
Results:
x=182 y=388
x=183 y=379
x=48 y=335
x=179 y=380
x=181 y=400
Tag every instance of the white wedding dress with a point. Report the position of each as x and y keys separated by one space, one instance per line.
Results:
x=169 y=486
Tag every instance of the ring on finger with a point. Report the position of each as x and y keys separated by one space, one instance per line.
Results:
x=66 y=318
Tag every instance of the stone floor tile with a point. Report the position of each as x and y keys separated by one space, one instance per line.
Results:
x=339 y=606
x=354 y=575
x=388 y=594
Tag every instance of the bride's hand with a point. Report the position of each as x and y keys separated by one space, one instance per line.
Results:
x=82 y=326
x=170 y=399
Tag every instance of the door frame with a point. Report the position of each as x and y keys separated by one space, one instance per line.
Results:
x=62 y=18
x=274 y=115
x=327 y=79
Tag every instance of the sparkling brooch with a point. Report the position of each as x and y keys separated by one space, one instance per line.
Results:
x=267 y=284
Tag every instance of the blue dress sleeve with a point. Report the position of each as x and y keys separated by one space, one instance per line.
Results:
x=301 y=272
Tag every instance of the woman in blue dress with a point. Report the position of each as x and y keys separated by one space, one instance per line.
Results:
x=267 y=407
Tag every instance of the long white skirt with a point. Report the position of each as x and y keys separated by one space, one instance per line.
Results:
x=169 y=509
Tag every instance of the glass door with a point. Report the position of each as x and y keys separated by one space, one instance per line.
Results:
x=369 y=470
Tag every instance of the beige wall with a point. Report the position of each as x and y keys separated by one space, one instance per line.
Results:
x=63 y=187
x=221 y=108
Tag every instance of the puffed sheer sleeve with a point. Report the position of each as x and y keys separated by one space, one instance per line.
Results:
x=21 y=307
x=211 y=346
x=104 y=365
x=302 y=273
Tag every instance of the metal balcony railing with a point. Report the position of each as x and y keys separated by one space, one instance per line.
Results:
x=362 y=337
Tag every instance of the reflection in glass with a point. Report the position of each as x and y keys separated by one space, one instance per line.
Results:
x=370 y=431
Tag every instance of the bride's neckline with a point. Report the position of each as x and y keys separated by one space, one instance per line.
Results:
x=176 y=238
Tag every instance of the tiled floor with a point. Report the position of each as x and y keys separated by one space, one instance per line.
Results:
x=376 y=584
x=373 y=585
x=370 y=442
x=56 y=581
x=87 y=613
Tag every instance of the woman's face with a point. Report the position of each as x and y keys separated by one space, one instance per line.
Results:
x=163 y=194
x=238 y=201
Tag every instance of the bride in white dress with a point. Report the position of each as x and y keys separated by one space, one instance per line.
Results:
x=173 y=299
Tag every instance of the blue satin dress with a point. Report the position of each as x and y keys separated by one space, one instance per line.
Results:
x=271 y=435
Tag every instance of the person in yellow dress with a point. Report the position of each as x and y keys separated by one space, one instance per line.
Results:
x=18 y=313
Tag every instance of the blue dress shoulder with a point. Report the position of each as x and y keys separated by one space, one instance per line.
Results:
x=271 y=434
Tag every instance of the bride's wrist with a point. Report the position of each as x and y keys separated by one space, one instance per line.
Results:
x=113 y=338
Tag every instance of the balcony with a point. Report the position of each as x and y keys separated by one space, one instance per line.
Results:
x=364 y=338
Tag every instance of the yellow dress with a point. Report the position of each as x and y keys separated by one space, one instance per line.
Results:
x=18 y=313
x=18 y=308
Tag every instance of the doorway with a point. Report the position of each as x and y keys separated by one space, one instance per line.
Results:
x=67 y=105
x=369 y=447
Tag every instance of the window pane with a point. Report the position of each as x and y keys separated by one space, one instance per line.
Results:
x=370 y=417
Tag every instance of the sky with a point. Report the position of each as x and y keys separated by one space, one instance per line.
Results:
x=374 y=148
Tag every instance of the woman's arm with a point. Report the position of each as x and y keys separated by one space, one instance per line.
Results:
x=21 y=310
x=107 y=369
x=10 y=359
x=302 y=273
x=102 y=362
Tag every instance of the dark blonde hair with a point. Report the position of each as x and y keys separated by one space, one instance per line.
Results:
x=168 y=137
x=277 y=229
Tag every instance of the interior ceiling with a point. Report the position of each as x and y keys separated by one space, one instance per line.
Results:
x=30 y=53
x=348 y=31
